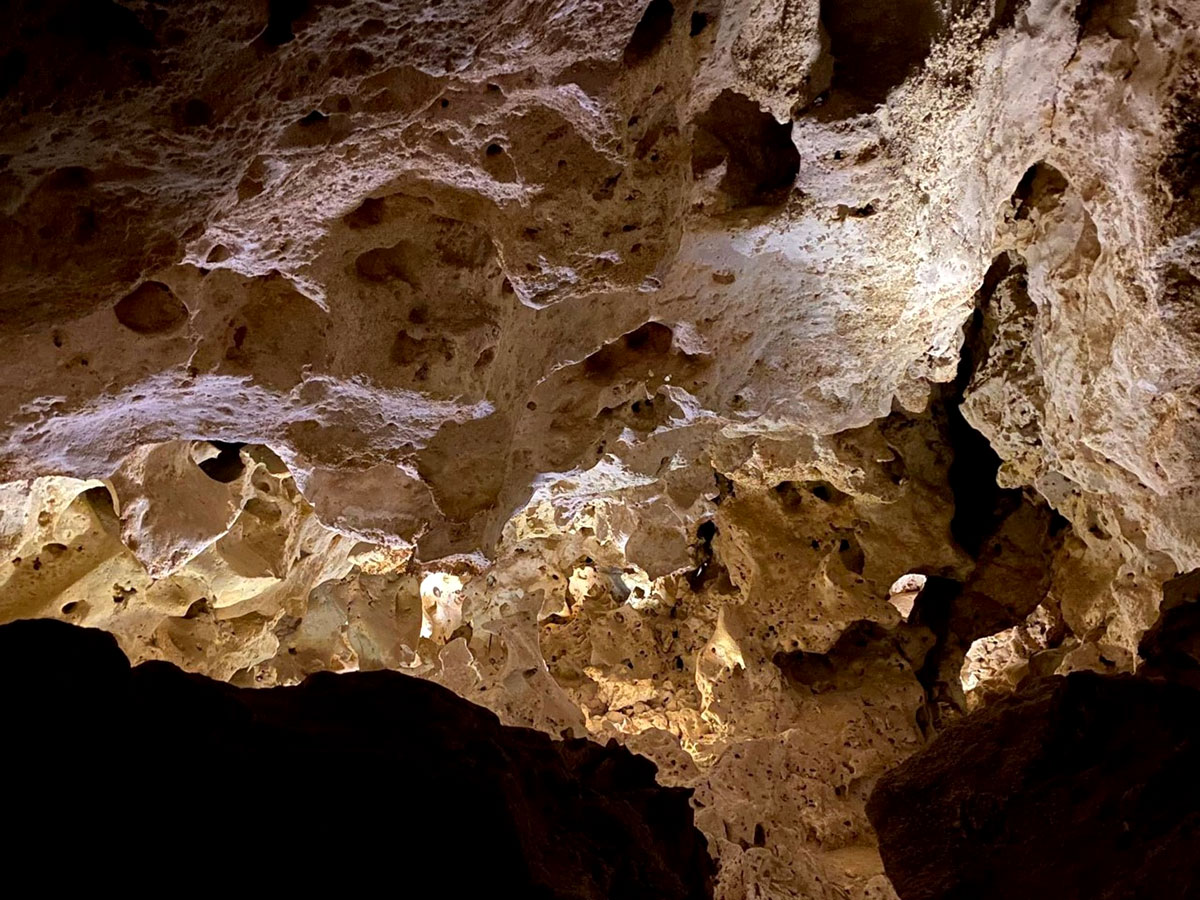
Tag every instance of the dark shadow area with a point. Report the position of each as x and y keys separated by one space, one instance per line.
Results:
x=152 y=776
x=651 y=32
x=1010 y=534
x=876 y=45
x=283 y=22
x=761 y=162
x=227 y=466
x=846 y=667
x=979 y=503
x=1170 y=648
x=1179 y=170
x=60 y=47
x=1076 y=788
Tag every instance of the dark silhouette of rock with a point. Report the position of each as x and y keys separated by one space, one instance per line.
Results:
x=148 y=775
x=1077 y=787
x=1171 y=647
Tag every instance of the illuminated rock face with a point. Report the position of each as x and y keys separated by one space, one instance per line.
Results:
x=612 y=364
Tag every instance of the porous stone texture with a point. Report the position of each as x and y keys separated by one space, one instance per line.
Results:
x=617 y=365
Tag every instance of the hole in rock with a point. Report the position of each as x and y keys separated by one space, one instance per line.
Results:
x=761 y=162
x=407 y=350
x=151 y=309
x=369 y=213
x=441 y=604
x=844 y=667
x=706 y=565
x=282 y=17
x=855 y=212
x=875 y=44
x=1107 y=18
x=501 y=167
x=793 y=495
x=980 y=504
x=647 y=341
x=825 y=492
x=650 y=33
x=851 y=554
x=1004 y=14
x=396 y=263
x=1041 y=189
x=227 y=465
x=100 y=501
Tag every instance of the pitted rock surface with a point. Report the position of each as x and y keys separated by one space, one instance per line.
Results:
x=761 y=383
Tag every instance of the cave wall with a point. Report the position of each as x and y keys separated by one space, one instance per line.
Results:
x=761 y=384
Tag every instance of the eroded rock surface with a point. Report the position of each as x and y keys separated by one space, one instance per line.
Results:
x=762 y=384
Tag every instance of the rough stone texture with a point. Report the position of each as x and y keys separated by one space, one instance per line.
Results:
x=398 y=775
x=609 y=363
x=1076 y=787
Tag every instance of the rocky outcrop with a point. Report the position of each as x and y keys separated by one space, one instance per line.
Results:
x=760 y=383
x=379 y=772
x=1075 y=787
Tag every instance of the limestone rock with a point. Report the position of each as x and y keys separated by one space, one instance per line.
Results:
x=613 y=364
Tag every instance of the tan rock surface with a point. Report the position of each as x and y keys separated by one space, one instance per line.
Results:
x=609 y=363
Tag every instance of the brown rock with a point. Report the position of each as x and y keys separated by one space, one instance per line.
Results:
x=1074 y=787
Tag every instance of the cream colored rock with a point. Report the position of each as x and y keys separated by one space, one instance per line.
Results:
x=165 y=536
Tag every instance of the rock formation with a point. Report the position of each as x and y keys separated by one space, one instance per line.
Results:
x=379 y=775
x=1076 y=787
x=764 y=384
